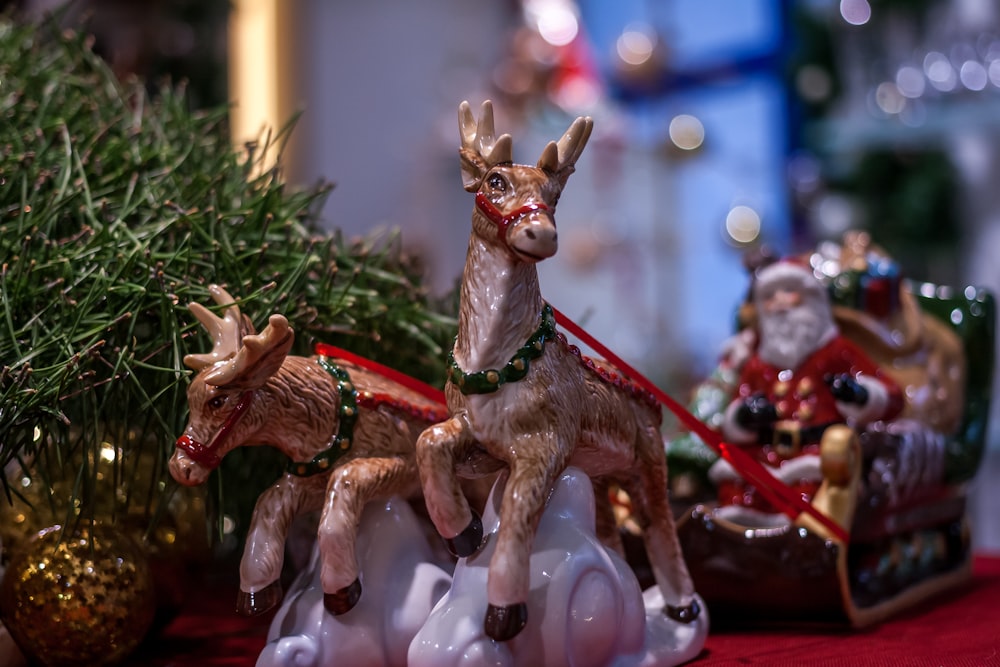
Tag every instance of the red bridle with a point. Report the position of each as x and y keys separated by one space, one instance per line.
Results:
x=503 y=222
x=206 y=454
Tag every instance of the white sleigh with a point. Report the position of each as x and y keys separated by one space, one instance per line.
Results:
x=414 y=613
x=590 y=609
x=402 y=579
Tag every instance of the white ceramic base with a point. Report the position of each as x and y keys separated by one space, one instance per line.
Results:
x=585 y=607
x=401 y=582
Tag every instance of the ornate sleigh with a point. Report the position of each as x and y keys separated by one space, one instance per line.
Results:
x=896 y=489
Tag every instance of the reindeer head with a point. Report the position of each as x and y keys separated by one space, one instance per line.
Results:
x=221 y=395
x=517 y=202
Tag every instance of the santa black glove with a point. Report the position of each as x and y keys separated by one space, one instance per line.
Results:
x=756 y=412
x=846 y=389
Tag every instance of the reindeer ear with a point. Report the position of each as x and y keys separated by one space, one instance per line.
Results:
x=474 y=169
x=259 y=357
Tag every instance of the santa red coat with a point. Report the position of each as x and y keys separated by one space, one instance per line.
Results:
x=801 y=394
x=802 y=397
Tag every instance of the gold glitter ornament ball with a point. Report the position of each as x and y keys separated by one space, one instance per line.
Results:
x=80 y=599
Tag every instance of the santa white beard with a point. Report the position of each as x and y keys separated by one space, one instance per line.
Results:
x=788 y=337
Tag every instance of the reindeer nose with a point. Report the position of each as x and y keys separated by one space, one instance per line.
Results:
x=536 y=238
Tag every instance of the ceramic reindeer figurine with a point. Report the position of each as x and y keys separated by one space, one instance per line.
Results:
x=518 y=391
x=349 y=433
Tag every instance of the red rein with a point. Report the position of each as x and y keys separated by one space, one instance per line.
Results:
x=777 y=493
x=425 y=390
x=206 y=454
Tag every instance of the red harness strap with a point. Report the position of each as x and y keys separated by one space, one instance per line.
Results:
x=206 y=454
x=776 y=491
x=496 y=216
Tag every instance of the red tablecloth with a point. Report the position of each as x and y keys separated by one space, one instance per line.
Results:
x=960 y=630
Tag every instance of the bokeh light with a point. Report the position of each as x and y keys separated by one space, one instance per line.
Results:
x=889 y=99
x=973 y=75
x=813 y=83
x=686 y=132
x=556 y=23
x=743 y=224
x=939 y=71
x=636 y=44
x=910 y=81
x=855 y=12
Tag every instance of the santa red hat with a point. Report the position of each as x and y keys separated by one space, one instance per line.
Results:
x=791 y=273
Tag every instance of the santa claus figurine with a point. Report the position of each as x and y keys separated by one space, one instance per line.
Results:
x=801 y=377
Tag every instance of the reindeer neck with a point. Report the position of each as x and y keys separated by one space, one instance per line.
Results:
x=499 y=308
x=303 y=400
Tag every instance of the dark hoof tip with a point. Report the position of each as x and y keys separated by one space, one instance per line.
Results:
x=469 y=540
x=503 y=623
x=343 y=600
x=685 y=614
x=254 y=604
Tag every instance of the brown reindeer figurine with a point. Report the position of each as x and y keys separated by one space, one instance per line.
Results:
x=348 y=431
x=518 y=391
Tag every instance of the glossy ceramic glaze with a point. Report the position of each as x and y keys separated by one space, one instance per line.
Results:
x=402 y=579
x=895 y=481
x=520 y=393
x=585 y=597
x=349 y=434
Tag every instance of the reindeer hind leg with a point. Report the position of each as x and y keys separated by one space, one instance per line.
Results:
x=649 y=495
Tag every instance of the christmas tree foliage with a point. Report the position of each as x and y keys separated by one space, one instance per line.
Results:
x=118 y=209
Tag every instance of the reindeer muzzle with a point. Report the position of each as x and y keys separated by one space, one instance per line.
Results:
x=199 y=453
x=503 y=222
x=206 y=455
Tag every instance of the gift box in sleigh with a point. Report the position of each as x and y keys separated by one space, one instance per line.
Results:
x=884 y=527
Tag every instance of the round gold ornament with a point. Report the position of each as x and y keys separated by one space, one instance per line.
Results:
x=78 y=599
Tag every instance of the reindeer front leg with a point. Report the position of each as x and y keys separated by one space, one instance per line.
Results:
x=264 y=553
x=350 y=488
x=533 y=472
x=439 y=449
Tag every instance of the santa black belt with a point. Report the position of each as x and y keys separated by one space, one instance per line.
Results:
x=789 y=437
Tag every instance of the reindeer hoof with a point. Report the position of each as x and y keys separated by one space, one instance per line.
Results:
x=503 y=623
x=254 y=604
x=469 y=540
x=343 y=600
x=686 y=614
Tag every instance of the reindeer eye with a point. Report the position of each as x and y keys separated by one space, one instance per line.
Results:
x=217 y=402
x=497 y=182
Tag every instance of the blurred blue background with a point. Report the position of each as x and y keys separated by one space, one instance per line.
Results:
x=721 y=127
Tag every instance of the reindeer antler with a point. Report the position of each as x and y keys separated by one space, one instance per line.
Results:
x=479 y=138
x=560 y=159
x=227 y=332
x=480 y=149
x=259 y=357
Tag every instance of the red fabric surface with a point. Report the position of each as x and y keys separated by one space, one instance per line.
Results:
x=961 y=629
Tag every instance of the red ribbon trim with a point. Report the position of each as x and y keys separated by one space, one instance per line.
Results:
x=425 y=390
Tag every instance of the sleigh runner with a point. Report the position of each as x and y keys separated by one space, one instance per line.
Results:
x=897 y=488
